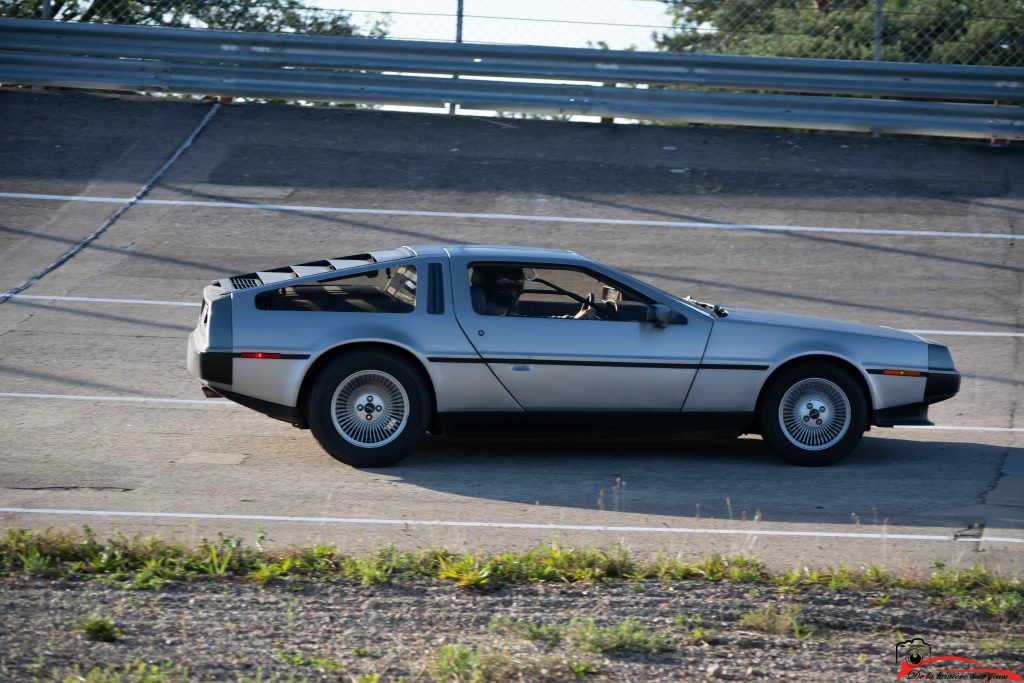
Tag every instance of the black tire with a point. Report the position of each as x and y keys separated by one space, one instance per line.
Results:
x=328 y=433
x=816 y=455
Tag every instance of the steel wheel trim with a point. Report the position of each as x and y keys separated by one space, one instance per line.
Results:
x=370 y=408
x=814 y=414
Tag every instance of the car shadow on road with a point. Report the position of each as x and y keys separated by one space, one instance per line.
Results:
x=886 y=479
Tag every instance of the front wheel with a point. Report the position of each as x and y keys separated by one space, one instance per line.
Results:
x=369 y=408
x=813 y=414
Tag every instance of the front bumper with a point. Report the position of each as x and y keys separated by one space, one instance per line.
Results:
x=942 y=382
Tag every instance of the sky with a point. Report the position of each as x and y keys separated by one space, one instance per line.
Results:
x=621 y=24
x=568 y=23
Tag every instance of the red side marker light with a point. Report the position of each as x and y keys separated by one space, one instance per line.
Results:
x=259 y=354
x=902 y=373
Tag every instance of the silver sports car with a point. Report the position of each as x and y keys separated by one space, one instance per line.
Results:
x=372 y=351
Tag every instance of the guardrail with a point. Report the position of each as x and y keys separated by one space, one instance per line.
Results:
x=379 y=71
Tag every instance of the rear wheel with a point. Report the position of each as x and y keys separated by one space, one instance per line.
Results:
x=813 y=414
x=369 y=408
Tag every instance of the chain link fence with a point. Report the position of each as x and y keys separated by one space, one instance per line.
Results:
x=937 y=31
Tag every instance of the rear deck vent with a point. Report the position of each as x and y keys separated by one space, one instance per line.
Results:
x=245 y=282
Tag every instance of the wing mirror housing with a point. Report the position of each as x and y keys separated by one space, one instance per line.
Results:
x=659 y=314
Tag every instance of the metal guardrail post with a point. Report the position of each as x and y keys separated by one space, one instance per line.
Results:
x=47 y=10
x=459 y=14
x=878 y=48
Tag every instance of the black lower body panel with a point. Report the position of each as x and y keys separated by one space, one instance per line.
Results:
x=912 y=414
x=275 y=410
x=617 y=423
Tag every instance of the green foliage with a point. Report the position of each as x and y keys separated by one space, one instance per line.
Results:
x=99 y=629
x=458 y=664
x=695 y=631
x=300 y=659
x=466 y=571
x=778 y=620
x=277 y=16
x=629 y=636
x=134 y=672
x=938 y=31
x=138 y=563
x=551 y=635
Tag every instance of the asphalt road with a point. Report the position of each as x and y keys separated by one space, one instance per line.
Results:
x=188 y=459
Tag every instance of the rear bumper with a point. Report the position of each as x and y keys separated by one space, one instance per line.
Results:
x=209 y=365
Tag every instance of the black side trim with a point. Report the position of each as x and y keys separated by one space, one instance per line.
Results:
x=940 y=386
x=597 y=363
x=435 y=289
x=215 y=366
x=274 y=410
x=909 y=414
x=589 y=424
x=284 y=356
x=593 y=363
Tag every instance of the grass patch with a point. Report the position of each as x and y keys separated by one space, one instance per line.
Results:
x=134 y=672
x=694 y=630
x=777 y=620
x=457 y=663
x=98 y=629
x=550 y=635
x=300 y=659
x=629 y=636
x=138 y=563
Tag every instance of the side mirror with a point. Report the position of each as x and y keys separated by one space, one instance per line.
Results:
x=659 y=314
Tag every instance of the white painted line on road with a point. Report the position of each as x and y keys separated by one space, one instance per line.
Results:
x=953 y=428
x=505 y=525
x=219 y=402
x=521 y=217
x=965 y=333
x=124 y=399
x=150 y=302
x=99 y=300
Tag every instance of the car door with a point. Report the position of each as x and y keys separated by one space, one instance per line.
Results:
x=564 y=364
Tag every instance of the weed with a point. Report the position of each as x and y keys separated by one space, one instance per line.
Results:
x=368 y=677
x=466 y=571
x=458 y=664
x=361 y=652
x=1000 y=644
x=34 y=562
x=695 y=631
x=299 y=659
x=881 y=600
x=629 y=636
x=777 y=620
x=134 y=672
x=266 y=572
x=551 y=635
x=97 y=628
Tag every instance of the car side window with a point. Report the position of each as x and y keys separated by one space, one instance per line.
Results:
x=522 y=290
x=385 y=290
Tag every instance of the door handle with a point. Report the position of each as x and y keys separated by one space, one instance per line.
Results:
x=520 y=367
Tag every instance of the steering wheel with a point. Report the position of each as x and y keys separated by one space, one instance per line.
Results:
x=601 y=313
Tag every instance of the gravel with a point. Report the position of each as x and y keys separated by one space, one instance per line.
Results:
x=227 y=630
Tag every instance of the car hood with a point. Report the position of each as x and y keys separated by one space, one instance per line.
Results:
x=748 y=315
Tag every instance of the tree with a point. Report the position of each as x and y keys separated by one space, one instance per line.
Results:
x=275 y=16
x=939 y=31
